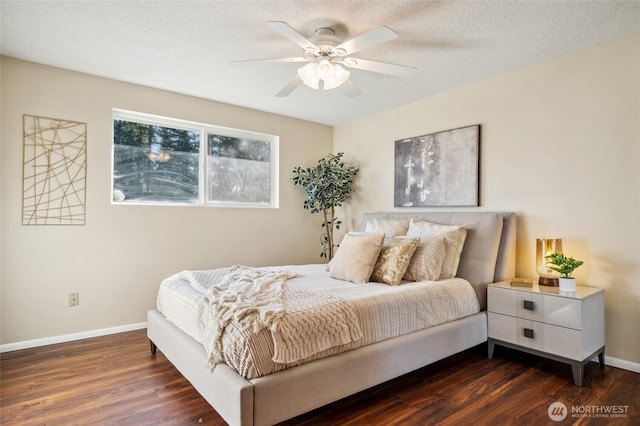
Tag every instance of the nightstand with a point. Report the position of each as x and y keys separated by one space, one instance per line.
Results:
x=566 y=327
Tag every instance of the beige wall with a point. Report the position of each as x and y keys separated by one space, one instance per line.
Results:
x=118 y=258
x=560 y=145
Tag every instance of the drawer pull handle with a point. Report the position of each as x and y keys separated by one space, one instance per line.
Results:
x=528 y=305
x=528 y=333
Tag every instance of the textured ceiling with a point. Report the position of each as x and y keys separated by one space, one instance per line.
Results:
x=185 y=47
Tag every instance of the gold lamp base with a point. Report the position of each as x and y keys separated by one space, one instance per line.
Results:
x=550 y=282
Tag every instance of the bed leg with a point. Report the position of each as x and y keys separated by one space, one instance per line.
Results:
x=153 y=347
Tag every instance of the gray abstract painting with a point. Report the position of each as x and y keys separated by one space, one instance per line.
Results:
x=437 y=170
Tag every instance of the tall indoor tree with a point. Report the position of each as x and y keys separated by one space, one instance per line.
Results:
x=328 y=185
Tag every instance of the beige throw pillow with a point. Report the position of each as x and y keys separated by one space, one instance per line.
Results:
x=454 y=237
x=426 y=263
x=394 y=259
x=356 y=256
x=390 y=227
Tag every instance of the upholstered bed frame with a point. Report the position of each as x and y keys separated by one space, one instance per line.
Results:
x=276 y=397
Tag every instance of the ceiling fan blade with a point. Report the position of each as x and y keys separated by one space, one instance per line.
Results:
x=379 y=67
x=268 y=61
x=286 y=30
x=368 y=39
x=349 y=89
x=289 y=87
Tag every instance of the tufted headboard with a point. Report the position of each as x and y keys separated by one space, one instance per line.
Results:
x=489 y=253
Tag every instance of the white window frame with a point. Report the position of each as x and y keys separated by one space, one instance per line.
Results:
x=205 y=130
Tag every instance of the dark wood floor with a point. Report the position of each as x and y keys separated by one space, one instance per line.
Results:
x=115 y=380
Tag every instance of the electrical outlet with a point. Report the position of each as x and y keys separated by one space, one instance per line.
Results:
x=74 y=299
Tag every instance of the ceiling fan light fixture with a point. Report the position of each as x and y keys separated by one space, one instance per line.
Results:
x=330 y=74
x=340 y=75
x=325 y=70
x=309 y=75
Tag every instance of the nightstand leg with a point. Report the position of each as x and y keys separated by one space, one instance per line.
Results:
x=601 y=359
x=490 y=350
x=578 y=373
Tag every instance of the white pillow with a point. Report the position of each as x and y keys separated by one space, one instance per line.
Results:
x=356 y=256
x=390 y=227
x=426 y=263
x=454 y=237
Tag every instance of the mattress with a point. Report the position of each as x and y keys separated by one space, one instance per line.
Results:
x=382 y=311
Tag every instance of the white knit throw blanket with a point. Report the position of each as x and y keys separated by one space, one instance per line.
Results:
x=311 y=323
x=301 y=323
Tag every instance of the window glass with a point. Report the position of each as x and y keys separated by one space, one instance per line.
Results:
x=155 y=163
x=238 y=170
x=161 y=160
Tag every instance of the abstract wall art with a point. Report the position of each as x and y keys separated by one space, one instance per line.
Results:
x=54 y=171
x=438 y=170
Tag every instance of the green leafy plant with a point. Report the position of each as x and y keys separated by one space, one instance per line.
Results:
x=562 y=264
x=328 y=185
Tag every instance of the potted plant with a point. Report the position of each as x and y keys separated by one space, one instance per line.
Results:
x=328 y=185
x=565 y=266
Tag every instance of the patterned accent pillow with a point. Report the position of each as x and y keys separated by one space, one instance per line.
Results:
x=426 y=263
x=454 y=237
x=390 y=227
x=394 y=260
x=356 y=256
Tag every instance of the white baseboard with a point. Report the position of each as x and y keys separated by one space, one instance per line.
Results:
x=621 y=363
x=70 y=337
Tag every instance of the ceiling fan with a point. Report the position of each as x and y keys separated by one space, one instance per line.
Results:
x=326 y=54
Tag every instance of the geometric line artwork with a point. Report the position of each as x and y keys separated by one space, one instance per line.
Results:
x=54 y=171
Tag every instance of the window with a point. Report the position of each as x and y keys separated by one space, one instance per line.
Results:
x=158 y=160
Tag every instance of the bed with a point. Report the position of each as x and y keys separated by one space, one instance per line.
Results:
x=269 y=397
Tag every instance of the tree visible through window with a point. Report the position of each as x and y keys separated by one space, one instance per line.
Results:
x=164 y=161
x=155 y=163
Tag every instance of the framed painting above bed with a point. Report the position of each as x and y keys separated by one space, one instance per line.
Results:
x=438 y=170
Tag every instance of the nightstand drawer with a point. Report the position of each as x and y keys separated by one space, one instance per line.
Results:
x=562 y=312
x=550 y=309
x=530 y=305
x=501 y=301
x=518 y=331
x=564 y=342
x=521 y=304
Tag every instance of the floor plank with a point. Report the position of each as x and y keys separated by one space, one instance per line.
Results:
x=115 y=380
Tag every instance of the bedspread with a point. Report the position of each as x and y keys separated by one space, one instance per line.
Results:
x=382 y=312
x=301 y=323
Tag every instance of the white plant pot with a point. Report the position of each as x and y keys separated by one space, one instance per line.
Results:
x=568 y=284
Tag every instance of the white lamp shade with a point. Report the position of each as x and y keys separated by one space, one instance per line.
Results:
x=325 y=69
x=339 y=76
x=330 y=74
x=309 y=75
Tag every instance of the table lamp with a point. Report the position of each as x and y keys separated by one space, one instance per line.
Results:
x=544 y=247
